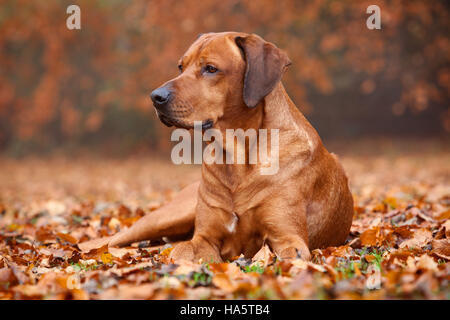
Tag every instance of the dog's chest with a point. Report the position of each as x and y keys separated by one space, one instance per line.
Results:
x=231 y=225
x=241 y=235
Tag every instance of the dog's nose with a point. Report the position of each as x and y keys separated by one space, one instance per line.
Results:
x=160 y=96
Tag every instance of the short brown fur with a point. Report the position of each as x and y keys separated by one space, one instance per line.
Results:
x=306 y=205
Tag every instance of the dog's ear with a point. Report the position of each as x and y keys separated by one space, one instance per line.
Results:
x=265 y=66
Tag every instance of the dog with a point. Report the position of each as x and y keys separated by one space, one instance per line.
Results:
x=232 y=80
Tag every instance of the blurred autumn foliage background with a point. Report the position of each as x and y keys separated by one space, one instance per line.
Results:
x=71 y=100
x=63 y=88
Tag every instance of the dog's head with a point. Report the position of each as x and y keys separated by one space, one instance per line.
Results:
x=220 y=74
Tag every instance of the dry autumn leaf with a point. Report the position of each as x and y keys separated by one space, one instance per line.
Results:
x=370 y=237
x=420 y=238
x=106 y=258
x=442 y=248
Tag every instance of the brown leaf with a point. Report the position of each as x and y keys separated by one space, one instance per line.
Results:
x=420 y=238
x=128 y=292
x=341 y=251
x=96 y=253
x=17 y=272
x=444 y=231
x=427 y=263
x=370 y=237
x=45 y=235
x=94 y=244
x=443 y=215
x=369 y=258
x=403 y=231
x=186 y=267
x=219 y=267
x=121 y=252
x=264 y=255
x=223 y=282
x=441 y=248
x=67 y=237
x=6 y=276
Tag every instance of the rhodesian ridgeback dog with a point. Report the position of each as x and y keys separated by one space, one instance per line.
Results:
x=228 y=81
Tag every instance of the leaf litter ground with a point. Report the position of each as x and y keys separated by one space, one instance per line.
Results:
x=398 y=248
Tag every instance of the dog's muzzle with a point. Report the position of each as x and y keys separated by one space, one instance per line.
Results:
x=169 y=122
x=161 y=97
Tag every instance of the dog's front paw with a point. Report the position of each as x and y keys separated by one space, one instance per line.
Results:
x=198 y=251
x=183 y=251
x=294 y=253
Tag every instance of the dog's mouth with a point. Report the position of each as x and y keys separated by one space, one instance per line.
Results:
x=164 y=119
x=179 y=123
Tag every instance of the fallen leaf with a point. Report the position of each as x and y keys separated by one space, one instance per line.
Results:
x=420 y=238
x=443 y=215
x=67 y=237
x=427 y=263
x=264 y=255
x=223 y=282
x=128 y=292
x=106 y=258
x=441 y=248
x=370 y=237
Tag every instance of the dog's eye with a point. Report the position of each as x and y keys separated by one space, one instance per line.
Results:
x=180 y=67
x=210 y=69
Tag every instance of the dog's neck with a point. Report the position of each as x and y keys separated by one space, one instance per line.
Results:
x=275 y=112
x=281 y=113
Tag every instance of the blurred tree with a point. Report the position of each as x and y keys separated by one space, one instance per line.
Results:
x=90 y=86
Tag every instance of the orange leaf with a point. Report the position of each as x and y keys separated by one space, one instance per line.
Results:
x=223 y=282
x=441 y=248
x=370 y=237
x=369 y=257
x=67 y=237
x=106 y=258
x=357 y=271
x=443 y=215
x=166 y=251
x=218 y=267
